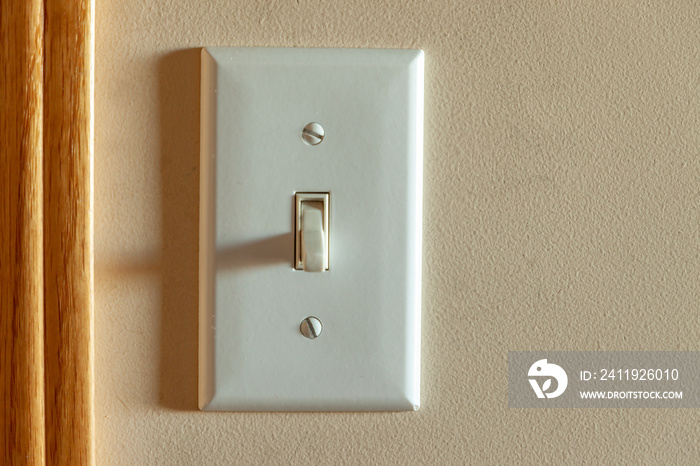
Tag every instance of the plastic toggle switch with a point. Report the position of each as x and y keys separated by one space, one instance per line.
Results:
x=312 y=231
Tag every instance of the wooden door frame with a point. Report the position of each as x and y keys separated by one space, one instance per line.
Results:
x=46 y=248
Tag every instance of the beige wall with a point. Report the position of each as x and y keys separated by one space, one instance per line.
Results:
x=562 y=211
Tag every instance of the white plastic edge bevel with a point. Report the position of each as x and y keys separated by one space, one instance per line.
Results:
x=419 y=63
x=207 y=230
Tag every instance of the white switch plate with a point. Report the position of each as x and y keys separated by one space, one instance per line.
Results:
x=254 y=104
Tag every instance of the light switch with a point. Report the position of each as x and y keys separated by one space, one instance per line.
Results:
x=310 y=229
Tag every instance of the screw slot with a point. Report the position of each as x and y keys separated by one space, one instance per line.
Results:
x=313 y=134
x=311 y=327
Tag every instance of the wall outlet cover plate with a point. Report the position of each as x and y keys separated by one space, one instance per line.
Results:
x=254 y=104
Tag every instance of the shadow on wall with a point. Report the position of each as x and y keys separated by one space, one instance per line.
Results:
x=179 y=83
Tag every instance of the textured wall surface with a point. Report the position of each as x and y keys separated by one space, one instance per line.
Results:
x=562 y=212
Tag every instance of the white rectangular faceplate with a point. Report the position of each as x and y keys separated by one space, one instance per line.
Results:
x=310 y=229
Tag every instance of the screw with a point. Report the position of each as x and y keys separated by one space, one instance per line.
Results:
x=311 y=327
x=313 y=134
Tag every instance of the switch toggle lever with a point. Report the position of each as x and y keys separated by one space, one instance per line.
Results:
x=313 y=242
x=311 y=233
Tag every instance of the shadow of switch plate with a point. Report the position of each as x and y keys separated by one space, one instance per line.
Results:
x=255 y=103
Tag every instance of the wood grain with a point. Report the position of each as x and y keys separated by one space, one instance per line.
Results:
x=68 y=263
x=21 y=256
